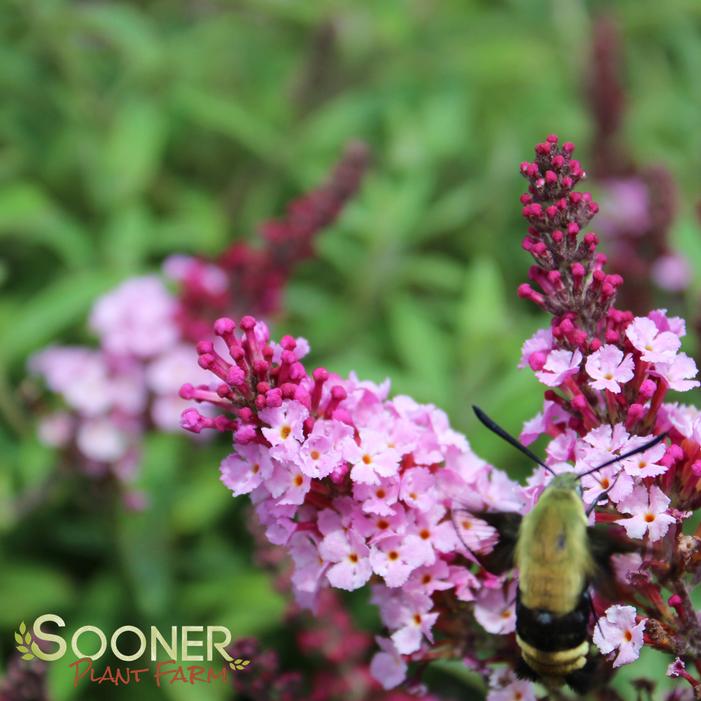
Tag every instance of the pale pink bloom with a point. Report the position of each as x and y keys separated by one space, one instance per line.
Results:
x=561 y=448
x=387 y=666
x=519 y=690
x=170 y=370
x=684 y=418
x=309 y=565
x=431 y=578
x=288 y=484
x=371 y=459
x=540 y=342
x=79 y=374
x=56 y=429
x=137 y=318
x=676 y=668
x=350 y=557
x=415 y=622
x=320 y=454
x=378 y=498
x=379 y=526
x=535 y=427
x=671 y=272
x=679 y=374
x=560 y=365
x=625 y=207
x=618 y=632
x=101 y=439
x=466 y=584
x=626 y=564
x=675 y=324
x=655 y=346
x=495 y=610
x=648 y=513
x=209 y=277
x=611 y=477
x=417 y=489
x=286 y=426
x=393 y=560
x=475 y=534
x=608 y=368
x=167 y=411
x=430 y=535
x=246 y=469
x=646 y=464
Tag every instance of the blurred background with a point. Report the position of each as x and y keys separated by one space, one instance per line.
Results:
x=130 y=131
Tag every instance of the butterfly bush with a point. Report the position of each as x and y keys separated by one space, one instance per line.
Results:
x=362 y=488
x=111 y=395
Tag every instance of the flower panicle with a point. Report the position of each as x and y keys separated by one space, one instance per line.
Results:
x=568 y=268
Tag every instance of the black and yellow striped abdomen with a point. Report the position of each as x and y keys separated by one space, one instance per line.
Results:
x=553 y=647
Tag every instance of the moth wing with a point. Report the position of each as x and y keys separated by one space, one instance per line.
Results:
x=604 y=541
x=505 y=526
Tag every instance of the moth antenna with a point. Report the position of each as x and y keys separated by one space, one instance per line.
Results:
x=471 y=555
x=601 y=495
x=640 y=449
x=502 y=433
x=596 y=617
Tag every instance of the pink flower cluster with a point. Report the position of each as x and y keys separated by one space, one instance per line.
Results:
x=608 y=375
x=364 y=489
x=113 y=394
x=357 y=486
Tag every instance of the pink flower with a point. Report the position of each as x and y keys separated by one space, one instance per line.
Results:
x=678 y=373
x=535 y=350
x=645 y=464
x=101 y=439
x=137 y=318
x=655 y=346
x=394 y=560
x=371 y=459
x=671 y=272
x=619 y=632
x=675 y=324
x=495 y=610
x=286 y=424
x=608 y=368
x=475 y=534
x=415 y=621
x=648 y=513
x=387 y=666
x=350 y=557
x=418 y=488
x=246 y=469
x=676 y=668
x=560 y=365
x=378 y=498
x=518 y=690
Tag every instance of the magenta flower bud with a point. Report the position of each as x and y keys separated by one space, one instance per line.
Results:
x=537 y=360
x=236 y=376
x=224 y=326
x=635 y=413
x=204 y=347
x=187 y=391
x=191 y=420
x=288 y=343
x=696 y=468
x=247 y=323
x=648 y=388
x=245 y=434
x=558 y=161
x=273 y=398
x=558 y=236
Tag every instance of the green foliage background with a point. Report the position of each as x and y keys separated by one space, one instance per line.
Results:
x=129 y=130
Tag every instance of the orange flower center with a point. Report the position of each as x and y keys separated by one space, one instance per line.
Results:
x=367 y=459
x=315 y=455
x=285 y=432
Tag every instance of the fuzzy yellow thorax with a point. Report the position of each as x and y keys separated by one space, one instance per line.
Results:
x=552 y=550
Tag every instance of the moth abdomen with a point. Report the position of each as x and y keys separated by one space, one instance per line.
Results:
x=554 y=648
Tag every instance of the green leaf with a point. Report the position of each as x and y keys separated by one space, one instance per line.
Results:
x=28 y=656
x=28 y=215
x=22 y=648
x=45 y=315
x=18 y=638
x=133 y=150
x=22 y=627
